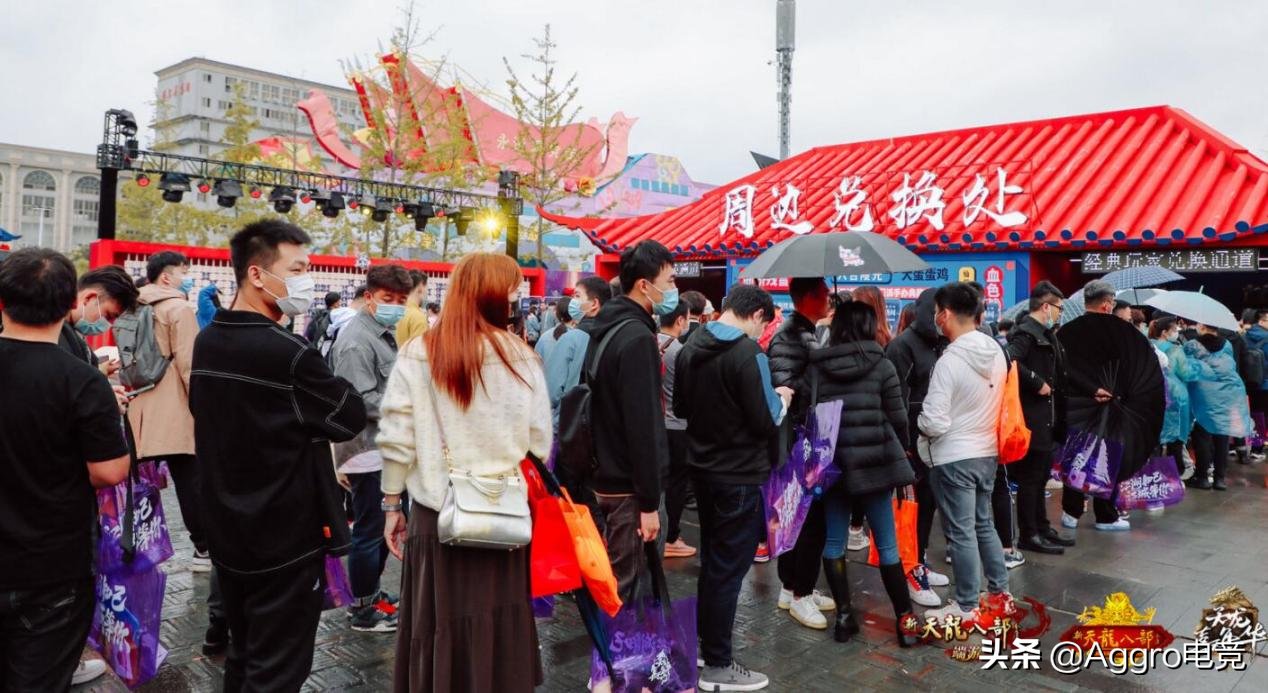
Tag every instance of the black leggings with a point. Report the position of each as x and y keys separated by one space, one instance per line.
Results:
x=1211 y=451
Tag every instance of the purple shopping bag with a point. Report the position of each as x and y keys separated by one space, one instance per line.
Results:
x=1090 y=463
x=1256 y=440
x=155 y=472
x=338 y=591
x=151 y=543
x=809 y=471
x=126 y=621
x=1156 y=484
x=653 y=649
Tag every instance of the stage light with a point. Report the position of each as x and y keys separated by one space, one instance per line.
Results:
x=125 y=121
x=463 y=220
x=227 y=192
x=283 y=198
x=174 y=186
x=490 y=222
x=255 y=193
x=333 y=203
x=400 y=209
x=353 y=202
x=204 y=187
x=305 y=197
x=382 y=208
x=142 y=180
x=423 y=212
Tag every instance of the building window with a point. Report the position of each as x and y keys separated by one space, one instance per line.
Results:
x=88 y=185
x=223 y=105
x=229 y=82
x=206 y=102
x=207 y=78
x=202 y=149
x=205 y=127
x=38 y=180
x=86 y=210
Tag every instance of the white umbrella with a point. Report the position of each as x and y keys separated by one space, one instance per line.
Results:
x=1196 y=307
x=1138 y=297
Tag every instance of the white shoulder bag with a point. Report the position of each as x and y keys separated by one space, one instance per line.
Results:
x=485 y=512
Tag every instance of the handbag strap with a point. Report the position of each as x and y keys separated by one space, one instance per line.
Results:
x=127 y=539
x=440 y=428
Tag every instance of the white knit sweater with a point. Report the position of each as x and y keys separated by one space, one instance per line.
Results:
x=506 y=419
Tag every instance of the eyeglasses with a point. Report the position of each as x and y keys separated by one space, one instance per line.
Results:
x=1060 y=307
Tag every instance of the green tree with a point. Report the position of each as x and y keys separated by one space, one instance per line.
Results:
x=545 y=105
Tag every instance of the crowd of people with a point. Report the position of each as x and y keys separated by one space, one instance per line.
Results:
x=689 y=408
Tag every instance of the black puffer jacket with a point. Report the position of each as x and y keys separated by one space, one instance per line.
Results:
x=789 y=354
x=913 y=354
x=873 y=434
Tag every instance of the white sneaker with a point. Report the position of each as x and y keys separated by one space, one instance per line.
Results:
x=200 y=563
x=1189 y=467
x=936 y=579
x=858 y=539
x=1013 y=558
x=1068 y=521
x=821 y=600
x=87 y=670
x=1053 y=485
x=1119 y=525
x=1155 y=509
x=952 y=608
x=918 y=588
x=806 y=612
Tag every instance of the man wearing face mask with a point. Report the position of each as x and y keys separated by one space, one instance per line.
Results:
x=563 y=363
x=161 y=422
x=628 y=418
x=1041 y=373
x=364 y=354
x=723 y=389
x=267 y=405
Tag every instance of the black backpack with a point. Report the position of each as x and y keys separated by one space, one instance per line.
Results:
x=576 y=439
x=1252 y=366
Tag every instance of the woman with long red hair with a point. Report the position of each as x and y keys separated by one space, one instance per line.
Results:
x=471 y=397
x=872 y=297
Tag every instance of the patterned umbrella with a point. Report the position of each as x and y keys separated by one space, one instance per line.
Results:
x=1016 y=311
x=832 y=255
x=1137 y=297
x=1073 y=307
x=1137 y=277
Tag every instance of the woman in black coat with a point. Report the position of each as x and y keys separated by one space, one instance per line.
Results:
x=870 y=451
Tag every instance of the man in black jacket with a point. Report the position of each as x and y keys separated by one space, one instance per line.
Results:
x=723 y=388
x=913 y=353
x=1041 y=376
x=695 y=302
x=628 y=424
x=789 y=353
x=265 y=407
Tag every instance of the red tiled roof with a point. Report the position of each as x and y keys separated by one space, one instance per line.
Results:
x=1137 y=178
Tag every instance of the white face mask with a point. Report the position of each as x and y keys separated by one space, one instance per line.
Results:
x=299 y=293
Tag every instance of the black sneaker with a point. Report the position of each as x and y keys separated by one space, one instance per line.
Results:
x=370 y=619
x=216 y=640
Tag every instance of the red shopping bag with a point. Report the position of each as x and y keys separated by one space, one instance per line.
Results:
x=905 y=513
x=552 y=558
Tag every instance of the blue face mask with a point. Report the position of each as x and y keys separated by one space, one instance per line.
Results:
x=92 y=328
x=389 y=315
x=667 y=303
x=187 y=284
x=574 y=310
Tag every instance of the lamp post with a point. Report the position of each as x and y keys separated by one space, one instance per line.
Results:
x=40 y=236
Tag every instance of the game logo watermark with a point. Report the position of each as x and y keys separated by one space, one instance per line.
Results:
x=1114 y=636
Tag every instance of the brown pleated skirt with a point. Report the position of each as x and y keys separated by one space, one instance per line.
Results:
x=466 y=617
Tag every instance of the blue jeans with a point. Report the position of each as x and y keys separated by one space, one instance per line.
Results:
x=878 y=509
x=963 y=490
x=731 y=524
x=368 y=554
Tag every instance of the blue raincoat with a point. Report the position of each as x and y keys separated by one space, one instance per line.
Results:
x=1179 y=420
x=1218 y=396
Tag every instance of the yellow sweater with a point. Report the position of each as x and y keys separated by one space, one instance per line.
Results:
x=414 y=324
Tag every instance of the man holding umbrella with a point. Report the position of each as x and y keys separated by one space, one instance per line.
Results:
x=1041 y=370
x=1098 y=297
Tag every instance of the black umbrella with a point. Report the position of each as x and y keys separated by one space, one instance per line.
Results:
x=1107 y=352
x=834 y=254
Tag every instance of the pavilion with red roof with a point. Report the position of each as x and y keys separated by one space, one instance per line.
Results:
x=1032 y=200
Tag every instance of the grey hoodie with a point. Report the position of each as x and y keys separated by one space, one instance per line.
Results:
x=961 y=410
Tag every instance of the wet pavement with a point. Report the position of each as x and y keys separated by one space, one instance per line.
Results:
x=1173 y=562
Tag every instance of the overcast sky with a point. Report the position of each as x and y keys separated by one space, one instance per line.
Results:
x=697 y=73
